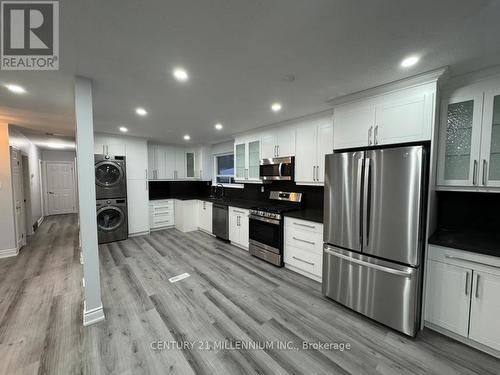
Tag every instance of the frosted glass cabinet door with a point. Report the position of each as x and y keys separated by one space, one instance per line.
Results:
x=460 y=134
x=253 y=160
x=240 y=162
x=490 y=147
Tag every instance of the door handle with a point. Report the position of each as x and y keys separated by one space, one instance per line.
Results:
x=485 y=165
x=370 y=136
x=477 y=286
x=305 y=241
x=375 y=135
x=466 y=283
x=367 y=264
x=51 y=192
x=474 y=173
x=359 y=197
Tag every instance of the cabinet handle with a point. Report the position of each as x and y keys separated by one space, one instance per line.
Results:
x=201 y=174
x=146 y=173
x=370 y=136
x=314 y=173
x=146 y=185
x=474 y=173
x=305 y=241
x=477 y=286
x=485 y=165
x=466 y=283
x=304 y=225
x=375 y=135
x=303 y=261
x=278 y=153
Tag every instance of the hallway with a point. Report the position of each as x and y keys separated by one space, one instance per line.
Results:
x=41 y=302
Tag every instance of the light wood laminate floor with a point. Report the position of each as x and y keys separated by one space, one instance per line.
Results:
x=230 y=298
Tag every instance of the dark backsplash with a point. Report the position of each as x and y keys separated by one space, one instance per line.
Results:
x=469 y=211
x=173 y=189
x=312 y=195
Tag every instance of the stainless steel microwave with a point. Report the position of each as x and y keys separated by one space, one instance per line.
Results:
x=277 y=168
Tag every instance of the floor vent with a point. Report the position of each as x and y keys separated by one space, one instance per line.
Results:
x=179 y=277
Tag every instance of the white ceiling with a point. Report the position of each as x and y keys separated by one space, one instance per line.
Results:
x=238 y=52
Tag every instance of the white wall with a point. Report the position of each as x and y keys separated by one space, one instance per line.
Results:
x=223 y=148
x=20 y=142
x=58 y=155
x=7 y=225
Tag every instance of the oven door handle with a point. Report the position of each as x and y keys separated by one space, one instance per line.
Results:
x=265 y=219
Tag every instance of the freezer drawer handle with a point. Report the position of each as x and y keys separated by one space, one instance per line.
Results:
x=303 y=261
x=370 y=265
x=305 y=241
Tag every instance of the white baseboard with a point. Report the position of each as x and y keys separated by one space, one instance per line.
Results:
x=138 y=234
x=463 y=340
x=92 y=316
x=6 y=253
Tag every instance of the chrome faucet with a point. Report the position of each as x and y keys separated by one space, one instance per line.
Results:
x=222 y=192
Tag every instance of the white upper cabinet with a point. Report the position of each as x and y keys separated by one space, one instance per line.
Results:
x=404 y=120
x=278 y=142
x=314 y=141
x=247 y=155
x=402 y=116
x=177 y=163
x=469 y=137
x=353 y=126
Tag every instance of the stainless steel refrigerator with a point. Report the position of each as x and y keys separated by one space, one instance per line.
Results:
x=374 y=233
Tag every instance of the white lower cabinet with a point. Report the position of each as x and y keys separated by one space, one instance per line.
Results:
x=463 y=296
x=485 y=309
x=205 y=216
x=238 y=226
x=303 y=250
x=448 y=301
x=186 y=215
x=137 y=204
x=161 y=214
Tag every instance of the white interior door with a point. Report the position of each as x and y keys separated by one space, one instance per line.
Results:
x=18 y=189
x=60 y=188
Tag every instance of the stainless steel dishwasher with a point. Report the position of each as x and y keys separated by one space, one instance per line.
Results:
x=220 y=221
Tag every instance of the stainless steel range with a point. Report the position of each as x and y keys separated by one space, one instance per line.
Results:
x=266 y=226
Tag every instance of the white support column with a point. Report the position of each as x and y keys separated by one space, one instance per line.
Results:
x=92 y=310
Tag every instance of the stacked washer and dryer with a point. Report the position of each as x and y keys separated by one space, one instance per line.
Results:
x=111 y=194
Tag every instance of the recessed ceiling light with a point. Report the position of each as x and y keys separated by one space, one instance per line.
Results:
x=141 y=111
x=276 y=107
x=218 y=126
x=180 y=74
x=410 y=61
x=16 y=89
x=123 y=129
x=56 y=145
x=187 y=137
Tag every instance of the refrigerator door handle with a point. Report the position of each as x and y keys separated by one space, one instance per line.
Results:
x=358 y=201
x=368 y=264
x=366 y=204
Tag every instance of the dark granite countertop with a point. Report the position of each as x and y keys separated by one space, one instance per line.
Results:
x=470 y=240
x=309 y=214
